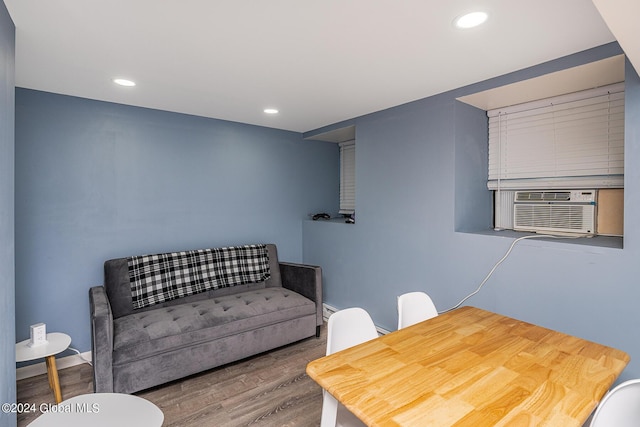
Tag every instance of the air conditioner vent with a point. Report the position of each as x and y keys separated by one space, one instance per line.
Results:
x=570 y=211
x=553 y=216
x=544 y=196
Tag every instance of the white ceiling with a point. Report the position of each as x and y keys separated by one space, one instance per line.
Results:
x=318 y=62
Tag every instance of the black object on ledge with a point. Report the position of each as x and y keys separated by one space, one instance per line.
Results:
x=321 y=216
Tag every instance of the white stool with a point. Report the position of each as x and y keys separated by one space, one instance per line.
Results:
x=101 y=410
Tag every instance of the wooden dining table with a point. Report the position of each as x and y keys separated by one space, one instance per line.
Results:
x=471 y=367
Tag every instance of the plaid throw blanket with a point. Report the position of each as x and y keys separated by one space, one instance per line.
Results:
x=164 y=277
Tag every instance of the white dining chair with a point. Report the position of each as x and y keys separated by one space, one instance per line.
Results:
x=620 y=407
x=414 y=307
x=346 y=328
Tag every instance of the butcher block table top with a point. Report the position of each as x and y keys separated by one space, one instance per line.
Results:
x=471 y=367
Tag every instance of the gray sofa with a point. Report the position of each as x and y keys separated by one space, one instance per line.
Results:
x=138 y=348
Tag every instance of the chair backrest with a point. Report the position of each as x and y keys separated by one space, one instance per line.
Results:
x=349 y=327
x=346 y=328
x=414 y=307
x=620 y=407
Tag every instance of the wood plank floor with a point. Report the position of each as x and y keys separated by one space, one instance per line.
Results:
x=271 y=389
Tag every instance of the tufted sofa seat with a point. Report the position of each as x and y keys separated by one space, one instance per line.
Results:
x=134 y=349
x=157 y=331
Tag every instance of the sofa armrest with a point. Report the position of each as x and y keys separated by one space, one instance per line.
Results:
x=101 y=339
x=307 y=281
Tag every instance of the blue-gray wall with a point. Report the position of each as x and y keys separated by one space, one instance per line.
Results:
x=97 y=180
x=7 y=282
x=421 y=209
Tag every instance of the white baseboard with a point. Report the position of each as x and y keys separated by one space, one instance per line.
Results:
x=62 y=363
x=328 y=310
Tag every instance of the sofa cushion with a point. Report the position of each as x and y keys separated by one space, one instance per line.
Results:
x=152 y=332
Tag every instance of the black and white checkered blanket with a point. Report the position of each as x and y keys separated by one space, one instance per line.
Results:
x=164 y=277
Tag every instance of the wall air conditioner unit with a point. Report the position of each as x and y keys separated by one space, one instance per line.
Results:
x=559 y=211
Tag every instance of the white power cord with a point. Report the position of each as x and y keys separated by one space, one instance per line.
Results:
x=537 y=236
x=81 y=356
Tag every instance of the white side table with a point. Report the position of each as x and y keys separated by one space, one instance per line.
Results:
x=56 y=343
x=101 y=410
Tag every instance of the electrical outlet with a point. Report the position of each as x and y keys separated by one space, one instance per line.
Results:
x=38 y=334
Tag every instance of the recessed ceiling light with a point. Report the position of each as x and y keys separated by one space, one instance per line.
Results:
x=271 y=110
x=124 y=82
x=470 y=20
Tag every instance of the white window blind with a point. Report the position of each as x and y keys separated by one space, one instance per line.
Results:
x=570 y=141
x=348 y=177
